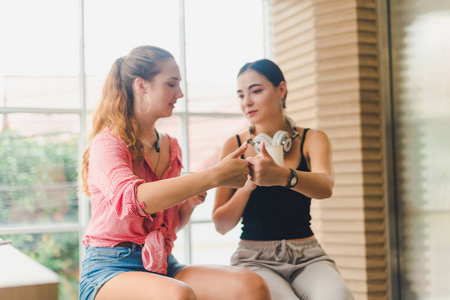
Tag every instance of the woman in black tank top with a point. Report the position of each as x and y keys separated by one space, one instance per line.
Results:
x=274 y=205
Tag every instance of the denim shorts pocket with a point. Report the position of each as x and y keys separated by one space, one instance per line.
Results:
x=108 y=254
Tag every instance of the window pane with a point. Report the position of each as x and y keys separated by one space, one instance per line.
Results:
x=113 y=28
x=170 y=126
x=38 y=169
x=218 y=43
x=206 y=137
x=210 y=247
x=40 y=91
x=204 y=211
x=178 y=247
x=213 y=97
x=58 y=252
x=421 y=72
x=39 y=54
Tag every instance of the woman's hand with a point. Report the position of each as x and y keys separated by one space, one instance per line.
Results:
x=188 y=207
x=249 y=185
x=196 y=200
x=232 y=169
x=264 y=171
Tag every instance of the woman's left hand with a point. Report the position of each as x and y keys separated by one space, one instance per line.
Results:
x=264 y=171
x=196 y=200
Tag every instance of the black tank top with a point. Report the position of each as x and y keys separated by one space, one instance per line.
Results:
x=277 y=212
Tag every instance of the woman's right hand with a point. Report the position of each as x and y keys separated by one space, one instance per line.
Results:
x=233 y=170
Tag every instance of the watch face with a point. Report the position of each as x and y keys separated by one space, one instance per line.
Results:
x=294 y=181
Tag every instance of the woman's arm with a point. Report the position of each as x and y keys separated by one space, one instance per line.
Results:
x=230 y=203
x=160 y=195
x=317 y=184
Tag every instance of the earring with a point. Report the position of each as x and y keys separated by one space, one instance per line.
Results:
x=149 y=105
x=283 y=102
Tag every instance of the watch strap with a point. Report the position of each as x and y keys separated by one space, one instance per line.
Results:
x=293 y=179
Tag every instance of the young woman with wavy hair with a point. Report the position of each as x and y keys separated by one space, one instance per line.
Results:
x=131 y=172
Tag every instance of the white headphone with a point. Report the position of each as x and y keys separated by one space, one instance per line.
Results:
x=281 y=137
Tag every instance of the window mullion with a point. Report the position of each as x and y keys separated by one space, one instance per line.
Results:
x=83 y=202
x=184 y=130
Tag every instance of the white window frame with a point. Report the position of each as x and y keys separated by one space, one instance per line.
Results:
x=82 y=112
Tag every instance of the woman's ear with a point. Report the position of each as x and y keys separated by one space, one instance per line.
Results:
x=139 y=85
x=283 y=89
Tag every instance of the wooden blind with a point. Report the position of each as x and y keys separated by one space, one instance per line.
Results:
x=328 y=51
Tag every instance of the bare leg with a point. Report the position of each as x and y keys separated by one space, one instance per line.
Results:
x=142 y=285
x=223 y=282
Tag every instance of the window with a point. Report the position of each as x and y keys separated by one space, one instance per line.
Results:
x=421 y=111
x=49 y=83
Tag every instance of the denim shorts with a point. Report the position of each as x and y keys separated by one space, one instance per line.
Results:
x=100 y=264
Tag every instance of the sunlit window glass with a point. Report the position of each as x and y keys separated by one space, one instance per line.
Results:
x=39 y=56
x=218 y=43
x=113 y=28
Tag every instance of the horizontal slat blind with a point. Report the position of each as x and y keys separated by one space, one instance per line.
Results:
x=328 y=50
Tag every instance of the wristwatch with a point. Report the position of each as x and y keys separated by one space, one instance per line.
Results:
x=292 y=181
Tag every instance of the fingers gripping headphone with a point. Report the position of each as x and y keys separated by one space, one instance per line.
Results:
x=281 y=137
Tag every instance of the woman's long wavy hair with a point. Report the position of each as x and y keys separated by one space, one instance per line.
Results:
x=115 y=109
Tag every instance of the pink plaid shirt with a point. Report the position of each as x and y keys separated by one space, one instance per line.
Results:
x=116 y=215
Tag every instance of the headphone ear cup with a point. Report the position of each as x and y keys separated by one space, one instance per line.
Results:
x=287 y=145
x=262 y=137
x=282 y=138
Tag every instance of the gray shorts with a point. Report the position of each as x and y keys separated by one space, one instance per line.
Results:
x=293 y=269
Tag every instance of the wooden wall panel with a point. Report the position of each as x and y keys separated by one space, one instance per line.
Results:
x=328 y=51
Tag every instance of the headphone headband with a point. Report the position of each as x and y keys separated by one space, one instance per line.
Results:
x=280 y=138
x=293 y=127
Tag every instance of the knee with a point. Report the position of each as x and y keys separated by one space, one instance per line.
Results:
x=182 y=292
x=251 y=286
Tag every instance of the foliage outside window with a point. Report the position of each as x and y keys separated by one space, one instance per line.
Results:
x=38 y=186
